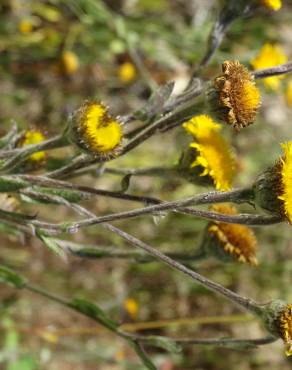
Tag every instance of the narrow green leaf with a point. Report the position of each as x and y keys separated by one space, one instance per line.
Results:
x=9 y=184
x=51 y=244
x=90 y=252
x=9 y=137
x=10 y=277
x=92 y=310
x=73 y=196
x=143 y=356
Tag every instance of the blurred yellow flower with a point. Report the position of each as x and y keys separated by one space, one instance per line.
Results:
x=127 y=72
x=95 y=130
x=237 y=241
x=289 y=93
x=49 y=337
x=70 y=62
x=270 y=56
x=272 y=4
x=237 y=98
x=215 y=156
x=132 y=307
x=25 y=25
x=34 y=137
x=120 y=355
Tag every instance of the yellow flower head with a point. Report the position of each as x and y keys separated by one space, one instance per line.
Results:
x=289 y=93
x=285 y=186
x=132 y=307
x=127 y=72
x=273 y=189
x=69 y=62
x=33 y=137
x=214 y=154
x=237 y=98
x=284 y=326
x=272 y=4
x=95 y=130
x=25 y=25
x=270 y=56
x=235 y=241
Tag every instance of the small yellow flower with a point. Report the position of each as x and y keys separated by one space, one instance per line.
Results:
x=284 y=326
x=95 y=130
x=213 y=152
x=236 y=241
x=270 y=56
x=127 y=72
x=33 y=137
x=132 y=307
x=237 y=98
x=272 y=4
x=289 y=93
x=69 y=62
x=25 y=26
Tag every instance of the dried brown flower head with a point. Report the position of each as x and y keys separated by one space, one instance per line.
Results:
x=238 y=98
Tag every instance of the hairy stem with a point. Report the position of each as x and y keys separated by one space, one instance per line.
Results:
x=18 y=156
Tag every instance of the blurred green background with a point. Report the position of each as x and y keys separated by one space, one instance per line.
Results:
x=54 y=55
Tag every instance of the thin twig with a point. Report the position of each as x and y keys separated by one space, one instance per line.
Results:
x=247 y=303
x=244 y=302
x=232 y=11
x=145 y=74
x=52 y=183
x=19 y=155
x=273 y=71
x=175 y=206
x=227 y=342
